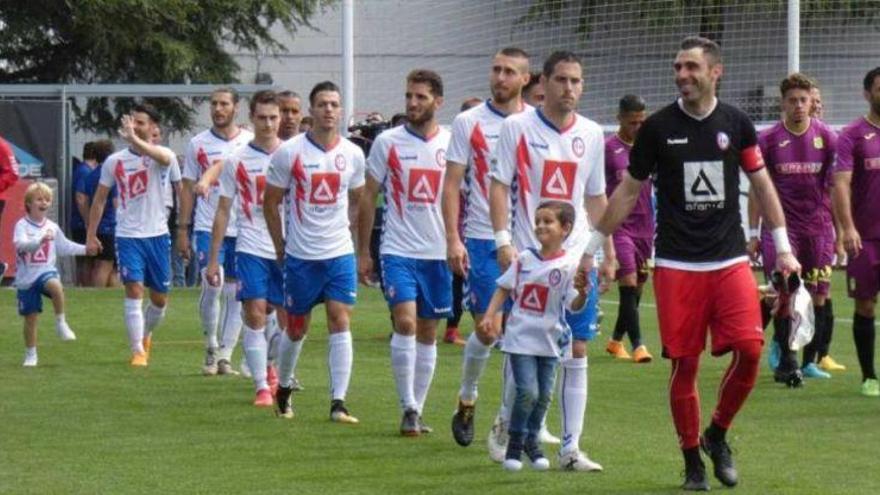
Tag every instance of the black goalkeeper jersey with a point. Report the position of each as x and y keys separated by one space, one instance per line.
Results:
x=696 y=164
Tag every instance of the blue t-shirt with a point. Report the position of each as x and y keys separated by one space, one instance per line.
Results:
x=90 y=185
x=80 y=172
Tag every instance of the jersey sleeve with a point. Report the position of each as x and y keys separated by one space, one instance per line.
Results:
x=504 y=167
x=459 y=145
x=20 y=239
x=107 y=178
x=81 y=181
x=191 y=170
x=227 y=179
x=643 y=156
x=377 y=162
x=843 y=161
x=66 y=247
x=174 y=174
x=278 y=174
x=750 y=158
x=507 y=280
x=596 y=163
x=358 y=177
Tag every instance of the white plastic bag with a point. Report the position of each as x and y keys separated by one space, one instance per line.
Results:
x=803 y=321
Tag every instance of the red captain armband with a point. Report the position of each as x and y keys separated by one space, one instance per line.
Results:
x=751 y=159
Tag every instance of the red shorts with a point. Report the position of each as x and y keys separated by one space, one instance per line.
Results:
x=690 y=303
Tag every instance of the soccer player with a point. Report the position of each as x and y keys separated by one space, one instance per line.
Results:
x=634 y=240
x=38 y=241
x=205 y=150
x=141 y=173
x=409 y=163
x=696 y=148
x=242 y=183
x=468 y=159
x=553 y=153
x=533 y=92
x=323 y=173
x=856 y=182
x=799 y=154
x=291 y=114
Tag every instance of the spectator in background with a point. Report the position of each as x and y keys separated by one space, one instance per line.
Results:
x=305 y=125
x=533 y=92
x=291 y=114
x=103 y=269
x=8 y=177
x=81 y=170
x=398 y=119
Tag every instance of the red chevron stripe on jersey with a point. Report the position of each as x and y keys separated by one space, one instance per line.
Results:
x=481 y=164
x=523 y=164
x=244 y=190
x=299 y=176
x=396 y=170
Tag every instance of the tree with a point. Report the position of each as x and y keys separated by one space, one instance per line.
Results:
x=139 y=41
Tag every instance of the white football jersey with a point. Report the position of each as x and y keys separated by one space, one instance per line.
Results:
x=550 y=164
x=411 y=170
x=318 y=182
x=244 y=181
x=541 y=290
x=474 y=138
x=140 y=182
x=204 y=150
x=33 y=257
x=173 y=178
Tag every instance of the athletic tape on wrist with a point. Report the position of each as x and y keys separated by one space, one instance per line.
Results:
x=780 y=240
x=502 y=238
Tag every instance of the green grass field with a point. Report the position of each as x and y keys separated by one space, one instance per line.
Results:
x=84 y=422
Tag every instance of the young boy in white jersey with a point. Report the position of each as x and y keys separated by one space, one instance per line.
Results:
x=38 y=241
x=543 y=285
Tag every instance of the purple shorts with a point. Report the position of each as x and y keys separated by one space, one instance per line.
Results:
x=863 y=271
x=815 y=254
x=633 y=254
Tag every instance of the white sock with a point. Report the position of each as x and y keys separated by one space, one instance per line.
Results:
x=59 y=318
x=426 y=360
x=209 y=310
x=152 y=317
x=403 y=364
x=508 y=390
x=476 y=355
x=273 y=335
x=288 y=355
x=231 y=327
x=339 y=360
x=134 y=324
x=30 y=351
x=573 y=402
x=255 y=352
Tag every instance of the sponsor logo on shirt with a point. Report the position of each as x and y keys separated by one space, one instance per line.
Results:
x=558 y=179
x=674 y=141
x=325 y=188
x=534 y=298
x=792 y=168
x=41 y=255
x=704 y=185
x=137 y=183
x=424 y=184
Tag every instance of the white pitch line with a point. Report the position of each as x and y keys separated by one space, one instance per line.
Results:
x=649 y=305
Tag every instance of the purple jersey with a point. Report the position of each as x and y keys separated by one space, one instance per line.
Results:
x=858 y=151
x=800 y=166
x=640 y=222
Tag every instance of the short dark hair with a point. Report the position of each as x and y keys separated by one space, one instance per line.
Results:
x=709 y=47
x=469 y=103
x=558 y=57
x=263 y=97
x=103 y=148
x=534 y=79
x=631 y=103
x=513 y=51
x=229 y=90
x=288 y=93
x=429 y=77
x=89 y=151
x=148 y=109
x=796 y=81
x=322 y=86
x=564 y=211
x=869 y=78
x=398 y=119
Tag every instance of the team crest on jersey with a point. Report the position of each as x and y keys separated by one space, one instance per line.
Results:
x=339 y=162
x=441 y=157
x=534 y=298
x=424 y=184
x=818 y=142
x=558 y=179
x=723 y=140
x=555 y=277
x=325 y=189
x=578 y=147
x=137 y=183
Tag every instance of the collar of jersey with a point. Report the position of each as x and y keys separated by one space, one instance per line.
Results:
x=133 y=152
x=795 y=134
x=697 y=117
x=426 y=139
x=870 y=123
x=551 y=125
x=261 y=150
x=318 y=145
x=537 y=254
x=218 y=136
x=35 y=224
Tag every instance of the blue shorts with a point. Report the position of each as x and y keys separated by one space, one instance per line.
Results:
x=308 y=283
x=30 y=300
x=145 y=260
x=259 y=278
x=583 y=323
x=226 y=258
x=427 y=282
x=483 y=273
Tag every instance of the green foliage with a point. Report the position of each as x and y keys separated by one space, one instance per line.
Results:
x=139 y=41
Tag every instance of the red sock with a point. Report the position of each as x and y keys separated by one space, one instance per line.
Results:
x=685 y=400
x=738 y=382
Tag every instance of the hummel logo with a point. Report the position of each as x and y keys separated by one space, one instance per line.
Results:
x=683 y=140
